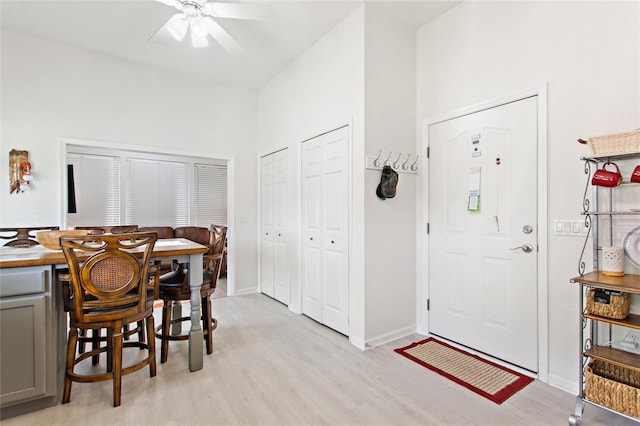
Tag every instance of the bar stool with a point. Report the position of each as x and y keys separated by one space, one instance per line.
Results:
x=108 y=290
x=174 y=288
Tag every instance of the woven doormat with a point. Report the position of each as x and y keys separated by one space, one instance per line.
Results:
x=484 y=377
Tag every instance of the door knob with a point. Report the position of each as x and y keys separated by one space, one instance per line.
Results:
x=527 y=248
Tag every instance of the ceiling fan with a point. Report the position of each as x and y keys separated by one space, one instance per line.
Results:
x=198 y=16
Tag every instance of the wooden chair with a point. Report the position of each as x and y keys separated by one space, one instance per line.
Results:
x=96 y=334
x=110 y=229
x=139 y=329
x=174 y=287
x=23 y=237
x=108 y=290
x=163 y=232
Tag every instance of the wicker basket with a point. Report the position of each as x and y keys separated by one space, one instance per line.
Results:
x=612 y=386
x=614 y=144
x=617 y=308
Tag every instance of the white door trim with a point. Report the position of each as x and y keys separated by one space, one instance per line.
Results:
x=422 y=246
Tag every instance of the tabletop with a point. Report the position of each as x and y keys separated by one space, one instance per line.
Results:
x=15 y=257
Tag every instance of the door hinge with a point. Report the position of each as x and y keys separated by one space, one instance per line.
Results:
x=428 y=227
x=428 y=304
x=428 y=152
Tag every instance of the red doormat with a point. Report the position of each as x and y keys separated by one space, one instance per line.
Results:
x=485 y=378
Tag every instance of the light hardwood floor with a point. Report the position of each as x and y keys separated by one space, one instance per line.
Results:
x=272 y=367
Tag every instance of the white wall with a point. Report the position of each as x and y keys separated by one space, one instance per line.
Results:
x=51 y=91
x=588 y=52
x=363 y=71
x=390 y=253
x=320 y=91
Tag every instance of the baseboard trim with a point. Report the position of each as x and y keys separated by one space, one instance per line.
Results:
x=245 y=291
x=391 y=336
x=358 y=343
x=563 y=384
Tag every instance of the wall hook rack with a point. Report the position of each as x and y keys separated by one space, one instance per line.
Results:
x=406 y=166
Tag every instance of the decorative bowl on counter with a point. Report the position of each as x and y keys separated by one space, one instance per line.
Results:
x=51 y=239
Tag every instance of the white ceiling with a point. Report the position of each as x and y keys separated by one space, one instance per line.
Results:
x=122 y=28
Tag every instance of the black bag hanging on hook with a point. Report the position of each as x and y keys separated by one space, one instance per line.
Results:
x=388 y=183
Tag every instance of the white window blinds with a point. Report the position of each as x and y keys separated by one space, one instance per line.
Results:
x=97 y=188
x=145 y=188
x=210 y=195
x=157 y=193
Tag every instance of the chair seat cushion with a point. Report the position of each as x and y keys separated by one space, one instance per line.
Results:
x=174 y=277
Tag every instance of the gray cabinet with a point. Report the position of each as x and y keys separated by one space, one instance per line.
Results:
x=30 y=327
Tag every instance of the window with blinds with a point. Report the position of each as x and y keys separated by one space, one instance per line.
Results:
x=98 y=194
x=116 y=187
x=157 y=193
x=210 y=195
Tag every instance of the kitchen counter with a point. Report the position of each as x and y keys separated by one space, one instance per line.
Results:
x=33 y=322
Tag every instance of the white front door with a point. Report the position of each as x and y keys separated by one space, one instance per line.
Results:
x=483 y=231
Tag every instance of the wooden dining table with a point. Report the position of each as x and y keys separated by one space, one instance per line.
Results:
x=181 y=249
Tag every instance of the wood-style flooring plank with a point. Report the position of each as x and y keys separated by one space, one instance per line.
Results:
x=273 y=367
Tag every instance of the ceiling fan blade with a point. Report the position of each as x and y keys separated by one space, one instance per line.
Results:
x=239 y=10
x=220 y=35
x=175 y=29
x=174 y=3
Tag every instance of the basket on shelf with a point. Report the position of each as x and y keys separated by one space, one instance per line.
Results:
x=613 y=386
x=618 y=143
x=608 y=304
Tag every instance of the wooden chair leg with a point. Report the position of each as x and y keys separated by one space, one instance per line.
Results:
x=81 y=333
x=151 y=329
x=206 y=323
x=71 y=352
x=117 y=364
x=141 y=331
x=166 y=326
x=109 y=350
x=95 y=344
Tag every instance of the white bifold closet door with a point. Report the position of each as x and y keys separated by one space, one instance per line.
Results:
x=274 y=169
x=325 y=231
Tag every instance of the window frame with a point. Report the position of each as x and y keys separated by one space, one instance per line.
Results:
x=126 y=152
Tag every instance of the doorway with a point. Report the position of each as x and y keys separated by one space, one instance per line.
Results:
x=484 y=236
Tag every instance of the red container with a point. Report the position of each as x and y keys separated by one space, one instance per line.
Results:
x=635 y=176
x=608 y=178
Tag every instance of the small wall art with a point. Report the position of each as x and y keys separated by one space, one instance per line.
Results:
x=19 y=171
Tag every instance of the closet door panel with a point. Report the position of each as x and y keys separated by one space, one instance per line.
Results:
x=280 y=226
x=281 y=272
x=266 y=225
x=266 y=196
x=267 y=263
x=325 y=213
x=335 y=207
x=312 y=229
x=335 y=307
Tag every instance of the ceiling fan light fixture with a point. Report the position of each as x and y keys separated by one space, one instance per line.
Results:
x=198 y=27
x=198 y=41
x=177 y=26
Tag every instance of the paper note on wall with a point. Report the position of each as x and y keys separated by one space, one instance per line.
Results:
x=473 y=203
